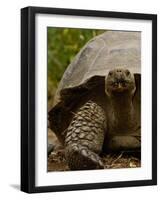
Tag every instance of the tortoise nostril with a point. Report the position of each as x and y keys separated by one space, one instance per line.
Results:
x=119 y=70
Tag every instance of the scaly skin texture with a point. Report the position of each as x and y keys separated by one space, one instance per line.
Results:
x=85 y=136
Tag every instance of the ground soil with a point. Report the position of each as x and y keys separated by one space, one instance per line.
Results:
x=57 y=162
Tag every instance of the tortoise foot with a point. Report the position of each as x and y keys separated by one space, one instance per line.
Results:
x=81 y=158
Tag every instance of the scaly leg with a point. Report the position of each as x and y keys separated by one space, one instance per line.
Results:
x=84 y=138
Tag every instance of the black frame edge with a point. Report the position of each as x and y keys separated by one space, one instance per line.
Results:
x=92 y=186
x=92 y=13
x=24 y=100
x=154 y=99
x=27 y=100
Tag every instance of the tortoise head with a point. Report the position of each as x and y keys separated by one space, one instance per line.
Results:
x=119 y=81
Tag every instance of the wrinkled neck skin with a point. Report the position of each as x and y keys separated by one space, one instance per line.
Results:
x=123 y=117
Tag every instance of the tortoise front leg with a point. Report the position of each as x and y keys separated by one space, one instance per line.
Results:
x=85 y=136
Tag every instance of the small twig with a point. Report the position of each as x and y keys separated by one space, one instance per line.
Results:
x=117 y=158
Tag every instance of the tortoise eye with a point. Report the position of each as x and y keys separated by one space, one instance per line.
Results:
x=110 y=73
x=127 y=72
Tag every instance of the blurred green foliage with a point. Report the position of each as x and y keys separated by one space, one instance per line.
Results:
x=63 y=45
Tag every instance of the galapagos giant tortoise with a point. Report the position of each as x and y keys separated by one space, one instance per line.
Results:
x=97 y=103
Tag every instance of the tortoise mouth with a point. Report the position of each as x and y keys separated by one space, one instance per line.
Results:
x=119 y=86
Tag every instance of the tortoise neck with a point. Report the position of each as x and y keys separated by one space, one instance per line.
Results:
x=123 y=112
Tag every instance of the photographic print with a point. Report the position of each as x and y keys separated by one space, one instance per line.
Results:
x=88 y=99
x=94 y=99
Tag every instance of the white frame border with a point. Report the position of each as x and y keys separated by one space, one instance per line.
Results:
x=44 y=178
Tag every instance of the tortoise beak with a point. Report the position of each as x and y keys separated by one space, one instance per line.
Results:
x=120 y=86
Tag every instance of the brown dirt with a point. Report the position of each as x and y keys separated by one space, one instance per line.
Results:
x=57 y=162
